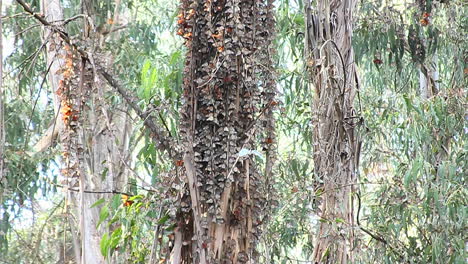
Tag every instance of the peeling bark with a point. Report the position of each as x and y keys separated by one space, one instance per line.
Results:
x=428 y=79
x=330 y=62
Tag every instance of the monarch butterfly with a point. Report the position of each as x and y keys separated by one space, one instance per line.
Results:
x=125 y=201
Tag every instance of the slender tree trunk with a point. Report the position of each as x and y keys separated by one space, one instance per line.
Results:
x=93 y=138
x=228 y=98
x=428 y=79
x=330 y=61
x=2 y=107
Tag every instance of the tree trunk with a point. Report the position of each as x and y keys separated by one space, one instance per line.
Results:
x=94 y=139
x=228 y=99
x=330 y=61
x=428 y=79
x=2 y=108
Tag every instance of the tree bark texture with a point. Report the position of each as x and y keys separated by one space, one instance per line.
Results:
x=93 y=139
x=330 y=62
x=228 y=100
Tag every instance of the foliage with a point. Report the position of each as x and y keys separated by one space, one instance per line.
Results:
x=132 y=220
x=45 y=239
x=413 y=160
x=414 y=148
x=421 y=209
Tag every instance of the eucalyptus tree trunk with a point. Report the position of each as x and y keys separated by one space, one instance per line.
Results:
x=2 y=108
x=330 y=62
x=428 y=79
x=228 y=98
x=93 y=136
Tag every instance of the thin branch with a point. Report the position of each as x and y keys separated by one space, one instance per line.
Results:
x=82 y=176
x=26 y=141
x=98 y=192
x=41 y=230
x=112 y=30
x=28 y=70
x=68 y=20
x=27 y=29
x=153 y=254
x=24 y=242
x=14 y=16
x=376 y=237
x=33 y=55
x=41 y=19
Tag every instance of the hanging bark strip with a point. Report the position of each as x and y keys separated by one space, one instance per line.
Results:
x=330 y=62
x=229 y=91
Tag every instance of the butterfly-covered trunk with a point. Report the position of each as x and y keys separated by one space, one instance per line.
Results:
x=228 y=103
x=87 y=131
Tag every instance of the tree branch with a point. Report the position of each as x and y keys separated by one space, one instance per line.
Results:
x=157 y=133
x=162 y=141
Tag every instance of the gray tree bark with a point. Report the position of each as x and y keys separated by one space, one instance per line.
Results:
x=94 y=137
x=330 y=62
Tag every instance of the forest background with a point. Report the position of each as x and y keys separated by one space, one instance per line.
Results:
x=409 y=198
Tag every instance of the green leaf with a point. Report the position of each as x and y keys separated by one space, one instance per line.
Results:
x=136 y=197
x=104 y=245
x=147 y=80
x=171 y=227
x=325 y=254
x=339 y=220
x=319 y=192
x=115 y=238
x=115 y=202
x=163 y=219
x=98 y=202
x=103 y=215
x=413 y=173
x=104 y=173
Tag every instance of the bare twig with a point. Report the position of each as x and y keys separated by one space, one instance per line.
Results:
x=98 y=192
x=27 y=29
x=33 y=55
x=41 y=230
x=374 y=236
x=112 y=30
x=26 y=141
x=68 y=20
x=15 y=16
x=157 y=133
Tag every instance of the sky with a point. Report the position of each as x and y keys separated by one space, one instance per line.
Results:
x=8 y=40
